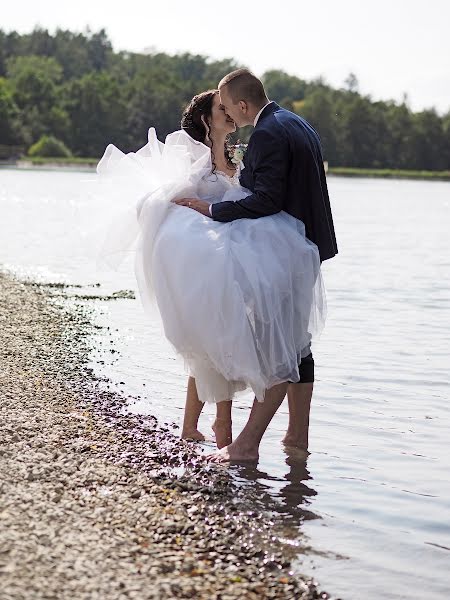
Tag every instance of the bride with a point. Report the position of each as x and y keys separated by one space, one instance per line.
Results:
x=240 y=301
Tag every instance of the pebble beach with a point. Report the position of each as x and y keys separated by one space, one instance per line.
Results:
x=96 y=502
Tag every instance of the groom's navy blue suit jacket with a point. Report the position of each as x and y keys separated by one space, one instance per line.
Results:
x=284 y=170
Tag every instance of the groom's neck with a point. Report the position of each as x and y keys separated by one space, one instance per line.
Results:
x=254 y=109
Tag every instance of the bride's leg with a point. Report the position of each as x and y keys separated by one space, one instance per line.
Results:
x=192 y=412
x=222 y=424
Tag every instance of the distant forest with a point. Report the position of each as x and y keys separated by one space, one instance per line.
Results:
x=74 y=87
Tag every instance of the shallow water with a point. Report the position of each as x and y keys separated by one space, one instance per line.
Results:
x=371 y=507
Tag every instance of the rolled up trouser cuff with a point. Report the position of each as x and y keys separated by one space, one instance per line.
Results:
x=306 y=369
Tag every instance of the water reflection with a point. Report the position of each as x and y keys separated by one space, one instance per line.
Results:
x=288 y=498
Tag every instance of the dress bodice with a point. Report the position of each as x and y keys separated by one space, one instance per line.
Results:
x=213 y=186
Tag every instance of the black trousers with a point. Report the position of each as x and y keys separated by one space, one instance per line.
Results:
x=306 y=369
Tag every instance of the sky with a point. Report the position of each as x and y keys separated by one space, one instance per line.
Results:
x=393 y=46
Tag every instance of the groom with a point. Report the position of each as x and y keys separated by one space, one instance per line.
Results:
x=284 y=170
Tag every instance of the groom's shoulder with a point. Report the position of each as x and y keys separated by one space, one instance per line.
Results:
x=280 y=118
x=295 y=126
x=282 y=125
x=283 y=115
x=271 y=123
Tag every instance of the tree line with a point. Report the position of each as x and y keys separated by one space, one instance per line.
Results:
x=74 y=87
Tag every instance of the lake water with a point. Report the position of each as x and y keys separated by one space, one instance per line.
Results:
x=371 y=506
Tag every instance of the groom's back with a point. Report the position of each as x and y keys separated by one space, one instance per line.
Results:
x=306 y=190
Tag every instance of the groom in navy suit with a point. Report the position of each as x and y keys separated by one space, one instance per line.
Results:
x=284 y=170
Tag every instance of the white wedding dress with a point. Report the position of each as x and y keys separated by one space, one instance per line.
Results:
x=239 y=301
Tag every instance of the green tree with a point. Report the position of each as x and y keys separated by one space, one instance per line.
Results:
x=154 y=101
x=216 y=70
x=99 y=50
x=429 y=143
x=11 y=133
x=35 y=82
x=49 y=146
x=351 y=83
x=10 y=45
x=283 y=88
x=399 y=151
x=97 y=113
x=446 y=132
x=358 y=133
x=382 y=136
x=318 y=109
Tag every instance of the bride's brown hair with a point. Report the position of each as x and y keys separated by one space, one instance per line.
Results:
x=196 y=118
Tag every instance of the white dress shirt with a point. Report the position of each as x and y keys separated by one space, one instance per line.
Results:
x=259 y=114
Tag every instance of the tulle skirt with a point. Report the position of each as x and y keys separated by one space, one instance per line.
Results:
x=240 y=301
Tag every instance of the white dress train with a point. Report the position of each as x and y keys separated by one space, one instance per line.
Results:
x=240 y=302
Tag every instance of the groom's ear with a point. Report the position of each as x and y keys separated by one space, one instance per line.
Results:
x=243 y=106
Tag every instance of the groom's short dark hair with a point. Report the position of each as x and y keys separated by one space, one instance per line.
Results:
x=243 y=85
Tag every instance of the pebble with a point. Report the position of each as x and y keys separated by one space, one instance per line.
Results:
x=91 y=504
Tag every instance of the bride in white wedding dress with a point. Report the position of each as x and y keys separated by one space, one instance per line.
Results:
x=240 y=302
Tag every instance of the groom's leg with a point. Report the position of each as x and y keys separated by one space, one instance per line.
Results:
x=299 y=400
x=246 y=445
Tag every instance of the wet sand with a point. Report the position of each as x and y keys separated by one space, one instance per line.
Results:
x=99 y=503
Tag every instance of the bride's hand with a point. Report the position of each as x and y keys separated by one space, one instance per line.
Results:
x=199 y=205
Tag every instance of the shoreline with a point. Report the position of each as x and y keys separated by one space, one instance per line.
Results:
x=51 y=165
x=89 y=165
x=98 y=502
x=389 y=174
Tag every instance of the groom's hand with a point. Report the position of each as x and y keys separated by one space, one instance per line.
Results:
x=199 y=205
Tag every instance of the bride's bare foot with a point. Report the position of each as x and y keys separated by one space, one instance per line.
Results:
x=234 y=453
x=223 y=432
x=192 y=434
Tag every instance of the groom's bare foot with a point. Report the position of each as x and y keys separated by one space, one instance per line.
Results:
x=223 y=432
x=295 y=441
x=234 y=453
x=192 y=434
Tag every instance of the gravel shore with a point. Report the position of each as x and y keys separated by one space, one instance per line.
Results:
x=99 y=504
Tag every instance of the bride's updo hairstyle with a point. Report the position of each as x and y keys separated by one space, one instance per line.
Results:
x=196 y=118
x=197 y=114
